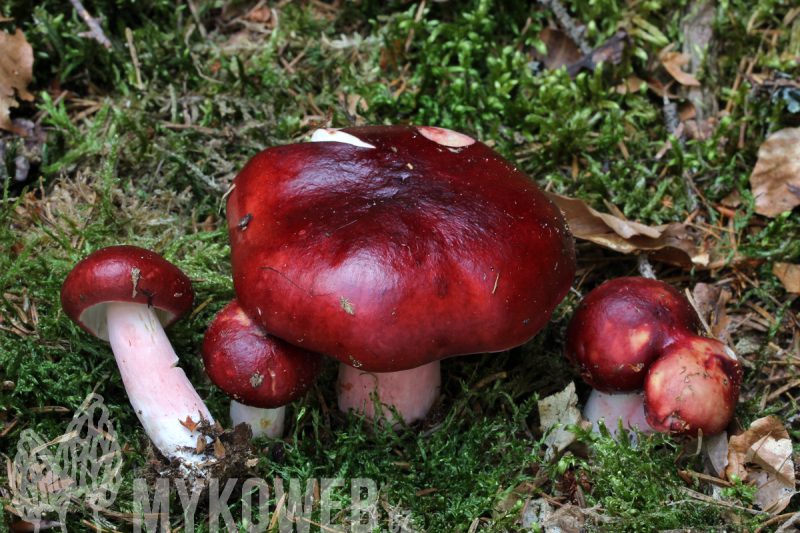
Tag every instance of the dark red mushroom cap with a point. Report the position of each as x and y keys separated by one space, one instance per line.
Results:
x=693 y=385
x=622 y=327
x=124 y=274
x=392 y=257
x=253 y=367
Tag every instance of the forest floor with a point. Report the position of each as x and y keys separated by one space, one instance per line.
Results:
x=665 y=130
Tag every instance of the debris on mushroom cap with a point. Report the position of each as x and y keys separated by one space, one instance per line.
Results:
x=124 y=274
x=392 y=257
x=253 y=367
x=620 y=328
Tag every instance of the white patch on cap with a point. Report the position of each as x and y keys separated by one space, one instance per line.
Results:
x=334 y=135
x=731 y=354
x=445 y=137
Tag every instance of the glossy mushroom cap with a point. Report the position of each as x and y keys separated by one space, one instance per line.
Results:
x=403 y=247
x=693 y=385
x=620 y=328
x=124 y=274
x=253 y=367
x=633 y=334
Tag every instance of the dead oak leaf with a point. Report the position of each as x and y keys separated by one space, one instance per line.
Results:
x=561 y=50
x=775 y=180
x=16 y=72
x=789 y=276
x=765 y=444
x=673 y=61
x=669 y=243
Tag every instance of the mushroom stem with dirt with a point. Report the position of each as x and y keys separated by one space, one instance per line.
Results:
x=124 y=294
x=390 y=248
x=635 y=341
x=260 y=372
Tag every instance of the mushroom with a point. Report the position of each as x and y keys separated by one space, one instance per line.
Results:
x=634 y=335
x=124 y=295
x=261 y=372
x=390 y=248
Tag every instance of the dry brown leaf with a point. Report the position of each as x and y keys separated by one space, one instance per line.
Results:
x=775 y=180
x=732 y=200
x=767 y=445
x=561 y=50
x=16 y=72
x=789 y=275
x=673 y=61
x=669 y=243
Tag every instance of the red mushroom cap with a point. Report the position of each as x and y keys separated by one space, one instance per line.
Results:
x=423 y=247
x=693 y=385
x=622 y=327
x=254 y=367
x=124 y=274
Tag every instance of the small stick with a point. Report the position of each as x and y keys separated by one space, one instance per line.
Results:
x=96 y=32
x=134 y=57
x=569 y=25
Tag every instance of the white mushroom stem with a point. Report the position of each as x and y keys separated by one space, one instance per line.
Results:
x=411 y=392
x=267 y=422
x=612 y=407
x=159 y=391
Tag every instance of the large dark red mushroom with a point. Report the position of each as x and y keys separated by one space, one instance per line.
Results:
x=636 y=342
x=390 y=248
x=259 y=371
x=124 y=295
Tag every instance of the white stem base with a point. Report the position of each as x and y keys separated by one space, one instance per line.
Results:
x=267 y=422
x=159 y=391
x=612 y=407
x=411 y=392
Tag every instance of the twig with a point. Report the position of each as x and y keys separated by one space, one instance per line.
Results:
x=134 y=57
x=772 y=521
x=96 y=32
x=569 y=25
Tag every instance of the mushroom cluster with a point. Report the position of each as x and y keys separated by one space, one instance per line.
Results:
x=390 y=248
x=636 y=342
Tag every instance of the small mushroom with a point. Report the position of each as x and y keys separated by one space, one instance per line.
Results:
x=260 y=372
x=635 y=341
x=124 y=295
x=390 y=248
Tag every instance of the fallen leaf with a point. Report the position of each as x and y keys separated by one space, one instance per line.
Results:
x=732 y=200
x=673 y=61
x=189 y=424
x=766 y=443
x=775 y=179
x=789 y=275
x=561 y=50
x=16 y=72
x=669 y=243
x=717 y=447
x=560 y=408
x=219 y=449
x=610 y=51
